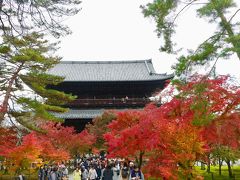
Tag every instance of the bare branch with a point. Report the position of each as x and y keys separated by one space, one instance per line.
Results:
x=187 y=5
x=233 y=15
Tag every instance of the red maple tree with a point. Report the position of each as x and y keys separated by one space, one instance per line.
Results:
x=21 y=157
x=124 y=138
x=67 y=138
x=177 y=134
x=56 y=145
x=154 y=133
x=8 y=139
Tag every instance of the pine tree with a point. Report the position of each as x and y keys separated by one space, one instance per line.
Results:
x=24 y=92
x=223 y=43
x=25 y=16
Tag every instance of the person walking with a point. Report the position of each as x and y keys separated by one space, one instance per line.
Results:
x=84 y=173
x=41 y=173
x=65 y=173
x=54 y=174
x=99 y=171
x=92 y=174
x=108 y=173
x=77 y=174
x=136 y=174
x=124 y=172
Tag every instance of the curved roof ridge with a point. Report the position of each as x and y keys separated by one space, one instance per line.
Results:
x=146 y=64
x=106 y=62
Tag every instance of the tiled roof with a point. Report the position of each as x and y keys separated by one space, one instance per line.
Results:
x=80 y=114
x=82 y=71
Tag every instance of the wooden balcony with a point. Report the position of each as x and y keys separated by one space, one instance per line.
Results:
x=109 y=103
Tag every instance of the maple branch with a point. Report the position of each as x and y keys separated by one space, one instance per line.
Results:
x=229 y=106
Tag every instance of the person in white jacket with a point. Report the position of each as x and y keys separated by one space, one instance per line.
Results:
x=92 y=174
x=84 y=173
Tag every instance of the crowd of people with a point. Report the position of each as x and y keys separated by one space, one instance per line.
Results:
x=92 y=168
x=53 y=172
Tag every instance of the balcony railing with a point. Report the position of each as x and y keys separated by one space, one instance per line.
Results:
x=123 y=102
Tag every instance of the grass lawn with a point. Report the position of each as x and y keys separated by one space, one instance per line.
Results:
x=214 y=173
x=32 y=176
x=11 y=177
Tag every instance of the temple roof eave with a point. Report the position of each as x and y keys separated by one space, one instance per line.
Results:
x=160 y=78
x=108 y=71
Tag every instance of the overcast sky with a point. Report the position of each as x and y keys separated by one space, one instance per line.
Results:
x=117 y=30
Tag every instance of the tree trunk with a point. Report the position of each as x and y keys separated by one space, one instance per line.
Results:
x=220 y=166
x=1 y=5
x=229 y=168
x=228 y=28
x=208 y=164
x=202 y=166
x=208 y=167
x=8 y=93
x=140 y=159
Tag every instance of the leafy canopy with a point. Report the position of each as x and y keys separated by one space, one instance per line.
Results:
x=222 y=44
x=24 y=80
x=21 y=17
x=171 y=138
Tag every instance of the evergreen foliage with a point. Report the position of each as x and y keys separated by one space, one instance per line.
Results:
x=223 y=43
x=24 y=80
x=22 y=17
